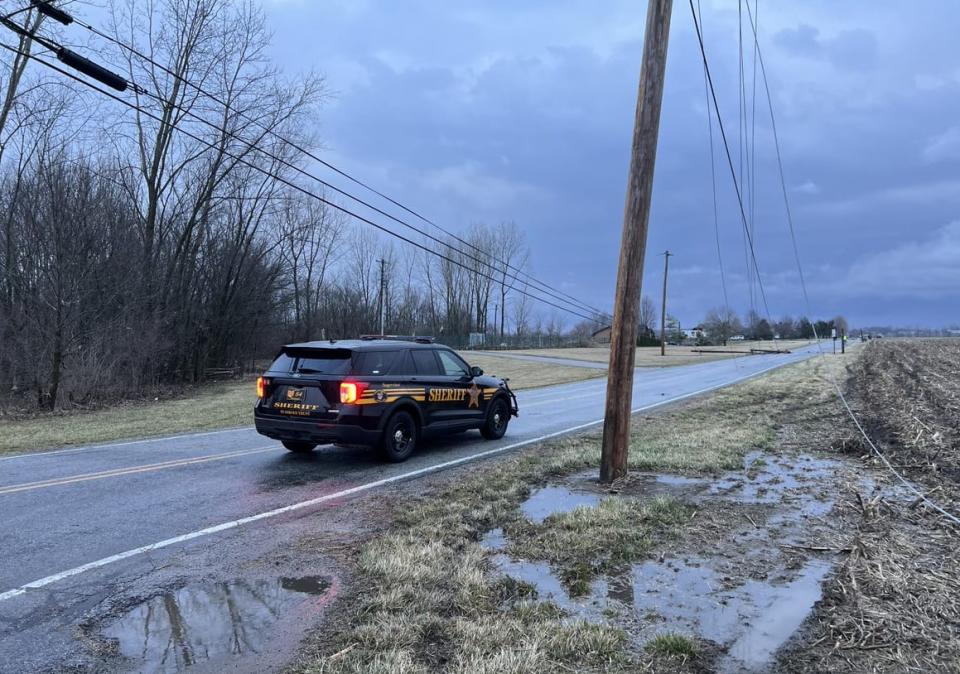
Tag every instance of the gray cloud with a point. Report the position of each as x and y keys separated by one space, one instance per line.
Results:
x=497 y=110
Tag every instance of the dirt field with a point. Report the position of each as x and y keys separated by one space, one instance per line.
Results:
x=894 y=605
x=751 y=535
x=210 y=408
x=649 y=356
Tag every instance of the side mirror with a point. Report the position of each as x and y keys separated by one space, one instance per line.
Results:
x=476 y=371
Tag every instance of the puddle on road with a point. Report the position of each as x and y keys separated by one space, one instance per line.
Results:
x=554 y=500
x=173 y=631
x=744 y=593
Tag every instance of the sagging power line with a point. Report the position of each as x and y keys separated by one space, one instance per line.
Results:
x=730 y=163
x=806 y=297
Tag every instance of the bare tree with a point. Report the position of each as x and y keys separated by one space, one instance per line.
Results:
x=648 y=317
x=721 y=324
x=512 y=256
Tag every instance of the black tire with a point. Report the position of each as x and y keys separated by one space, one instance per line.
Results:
x=399 y=438
x=298 y=446
x=498 y=418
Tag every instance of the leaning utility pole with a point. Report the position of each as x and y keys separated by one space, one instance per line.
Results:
x=663 y=310
x=633 y=244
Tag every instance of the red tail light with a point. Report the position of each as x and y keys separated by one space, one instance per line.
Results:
x=350 y=392
x=262 y=387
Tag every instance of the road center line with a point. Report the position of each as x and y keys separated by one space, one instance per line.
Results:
x=117 y=472
x=106 y=561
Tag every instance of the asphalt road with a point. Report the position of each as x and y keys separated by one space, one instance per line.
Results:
x=78 y=524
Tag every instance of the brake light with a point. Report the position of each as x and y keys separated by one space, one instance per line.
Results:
x=350 y=391
x=262 y=387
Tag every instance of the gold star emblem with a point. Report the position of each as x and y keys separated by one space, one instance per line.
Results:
x=474 y=396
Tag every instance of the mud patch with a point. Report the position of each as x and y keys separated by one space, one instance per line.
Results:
x=199 y=623
x=746 y=572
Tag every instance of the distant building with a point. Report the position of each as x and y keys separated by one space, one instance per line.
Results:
x=698 y=333
x=602 y=336
x=737 y=338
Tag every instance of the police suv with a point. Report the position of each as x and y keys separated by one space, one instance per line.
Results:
x=378 y=392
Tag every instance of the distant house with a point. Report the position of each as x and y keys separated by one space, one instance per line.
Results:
x=698 y=333
x=737 y=338
x=602 y=336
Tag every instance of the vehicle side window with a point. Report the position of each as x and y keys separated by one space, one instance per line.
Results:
x=374 y=363
x=452 y=365
x=425 y=362
x=404 y=366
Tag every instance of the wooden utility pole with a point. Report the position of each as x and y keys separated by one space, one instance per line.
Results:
x=633 y=244
x=663 y=309
x=382 y=309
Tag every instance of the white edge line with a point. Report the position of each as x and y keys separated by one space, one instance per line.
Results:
x=90 y=566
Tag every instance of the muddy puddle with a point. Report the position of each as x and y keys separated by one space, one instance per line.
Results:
x=198 y=624
x=746 y=581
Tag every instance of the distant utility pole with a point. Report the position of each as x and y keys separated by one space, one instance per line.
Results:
x=633 y=244
x=382 y=309
x=663 y=311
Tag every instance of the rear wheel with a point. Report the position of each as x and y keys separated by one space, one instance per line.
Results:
x=498 y=416
x=299 y=447
x=399 y=437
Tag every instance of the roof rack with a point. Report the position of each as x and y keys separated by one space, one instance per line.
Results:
x=399 y=338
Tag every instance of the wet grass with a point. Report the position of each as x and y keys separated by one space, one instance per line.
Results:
x=210 y=408
x=671 y=644
x=430 y=598
x=587 y=542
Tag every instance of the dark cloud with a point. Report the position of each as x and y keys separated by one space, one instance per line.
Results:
x=495 y=111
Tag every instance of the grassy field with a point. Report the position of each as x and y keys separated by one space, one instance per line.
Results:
x=527 y=374
x=210 y=408
x=649 y=356
x=429 y=601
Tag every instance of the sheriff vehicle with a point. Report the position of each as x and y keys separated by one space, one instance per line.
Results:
x=380 y=392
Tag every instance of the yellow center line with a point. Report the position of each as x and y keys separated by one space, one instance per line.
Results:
x=117 y=472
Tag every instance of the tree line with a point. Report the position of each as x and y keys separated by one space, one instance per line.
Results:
x=133 y=255
x=721 y=324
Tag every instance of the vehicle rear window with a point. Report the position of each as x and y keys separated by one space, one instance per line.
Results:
x=426 y=362
x=283 y=363
x=321 y=361
x=374 y=363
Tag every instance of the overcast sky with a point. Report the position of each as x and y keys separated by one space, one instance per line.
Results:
x=523 y=111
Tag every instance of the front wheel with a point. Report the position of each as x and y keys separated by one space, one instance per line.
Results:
x=498 y=416
x=299 y=447
x=399 y=438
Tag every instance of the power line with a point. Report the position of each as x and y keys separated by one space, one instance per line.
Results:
x=515 y=277
x=726 y=146
x=251 y=146
x=713 y=180
x=806 y=297
x=283 y=180
x=528 y=278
